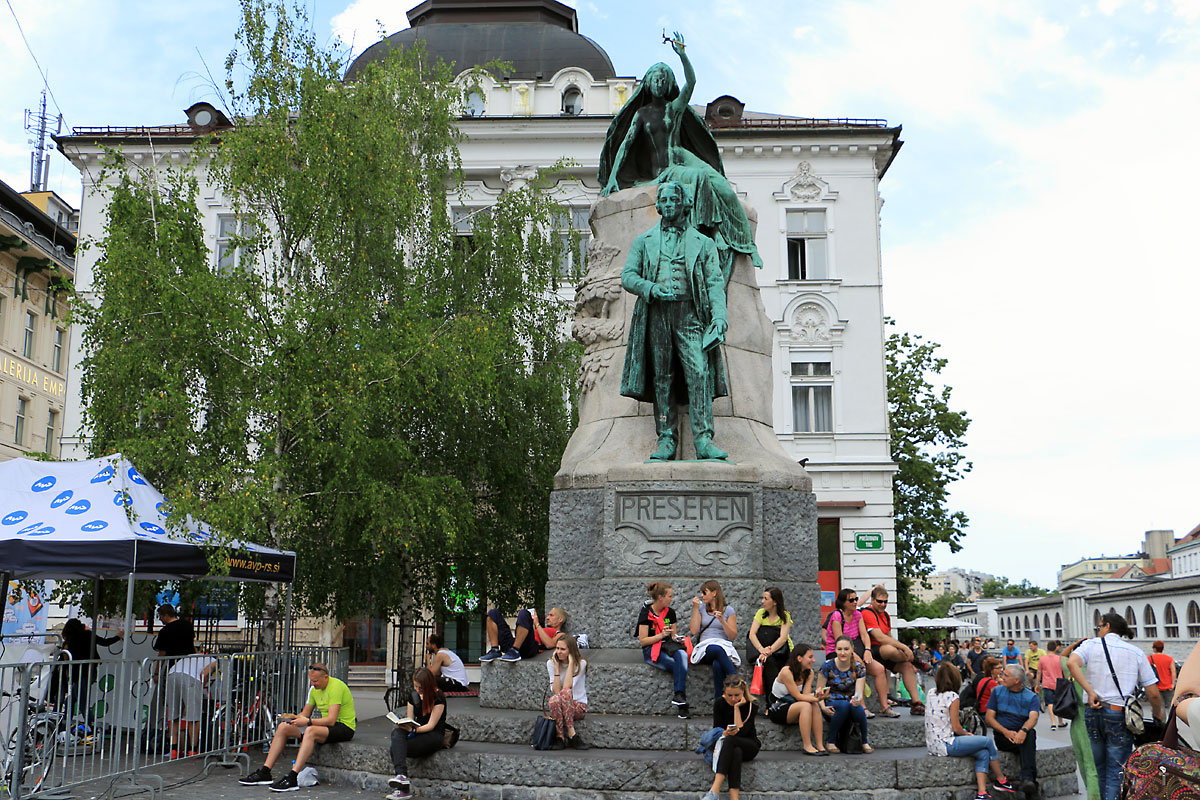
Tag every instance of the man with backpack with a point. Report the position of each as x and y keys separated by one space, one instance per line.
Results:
x=1111 y=671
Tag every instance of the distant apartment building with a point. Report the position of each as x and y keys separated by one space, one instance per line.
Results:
x=1152 y=560
x=37 y=275
x=968 y=583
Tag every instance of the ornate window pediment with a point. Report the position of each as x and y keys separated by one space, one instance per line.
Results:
x=811 y=320
x=805 y=186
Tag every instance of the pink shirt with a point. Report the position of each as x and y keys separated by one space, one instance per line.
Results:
x=1050 y=670
x=850 y=630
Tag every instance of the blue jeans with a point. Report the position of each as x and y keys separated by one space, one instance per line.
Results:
x=1112 y=744
x=722 y=665
x=677 y=665
x=843 y=708
x=981 y=748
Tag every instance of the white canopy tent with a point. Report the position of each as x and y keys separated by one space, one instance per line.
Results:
x=101 y=519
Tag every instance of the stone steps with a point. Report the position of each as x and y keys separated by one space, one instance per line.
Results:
x=485 y=771
x=501 y=726
x=618 y=682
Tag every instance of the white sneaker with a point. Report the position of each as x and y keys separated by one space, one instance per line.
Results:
x=399 y=782
x=399 y=794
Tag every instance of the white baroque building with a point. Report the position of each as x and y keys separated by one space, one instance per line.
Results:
x=814 y=184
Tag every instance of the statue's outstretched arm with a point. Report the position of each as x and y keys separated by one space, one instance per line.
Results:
x=689 y=74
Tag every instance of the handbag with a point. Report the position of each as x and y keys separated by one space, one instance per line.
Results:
x=849 y=738
x=756 y=680
x=450 y=735
x=543 y=733
x=1066 y=702
x=1135 y=723
x=1165 y=769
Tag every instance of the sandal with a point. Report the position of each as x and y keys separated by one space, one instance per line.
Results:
x=870 y=714
x=917 y=709
x=890 y=714
x=832 y=748
x=868 y=749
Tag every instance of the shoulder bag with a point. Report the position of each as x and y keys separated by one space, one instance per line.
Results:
x=1135 y=723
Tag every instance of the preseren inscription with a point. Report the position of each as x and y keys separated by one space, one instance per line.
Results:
x=684 y=516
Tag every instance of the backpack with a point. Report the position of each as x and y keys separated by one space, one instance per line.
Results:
x=1162 y=769
x=968 y=702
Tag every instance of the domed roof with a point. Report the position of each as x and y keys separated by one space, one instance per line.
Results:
x=538 y=37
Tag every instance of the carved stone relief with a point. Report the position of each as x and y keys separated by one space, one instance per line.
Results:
x=810 y=324
x=661 y=527
x=805 y=186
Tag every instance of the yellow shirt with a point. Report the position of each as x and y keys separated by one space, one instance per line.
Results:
x=335 y=693
x=1032 y=657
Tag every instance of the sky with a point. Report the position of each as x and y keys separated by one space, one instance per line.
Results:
x=1038 y=222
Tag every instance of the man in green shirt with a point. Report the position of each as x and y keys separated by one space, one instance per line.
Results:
x=334 y=721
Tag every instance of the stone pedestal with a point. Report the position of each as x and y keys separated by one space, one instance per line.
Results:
x=618 y=523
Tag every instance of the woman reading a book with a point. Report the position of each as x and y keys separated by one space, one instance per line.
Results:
x=568 y=684
x=420 y=733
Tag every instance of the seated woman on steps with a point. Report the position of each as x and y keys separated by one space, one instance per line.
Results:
x=426 y=705
x=714 y=627
x=795 y=699
x=656 y=633
x=770 y=643
x=847 y=620
x=733 y=713
x=568 y=687
x=944 y=734
x=845 y=678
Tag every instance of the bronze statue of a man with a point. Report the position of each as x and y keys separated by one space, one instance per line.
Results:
x=678 y=322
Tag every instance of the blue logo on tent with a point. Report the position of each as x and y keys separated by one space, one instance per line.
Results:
x=163 y=509
x=14 y=517
x=104 y=474
x=43 y=531
x=150 y=527
x=43 y=484
x=122 y=499
x=29 y=528
x=63 y=497
x=79 y=506
x=94 y=525
x=135 y=477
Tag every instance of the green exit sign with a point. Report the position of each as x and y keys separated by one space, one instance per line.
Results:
x=868 y=540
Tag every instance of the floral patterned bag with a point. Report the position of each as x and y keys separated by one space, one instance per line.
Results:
x=1163 y=770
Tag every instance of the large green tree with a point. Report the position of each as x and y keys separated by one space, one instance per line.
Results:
x=355 y=381
x=927 y=439
x=1000 y=587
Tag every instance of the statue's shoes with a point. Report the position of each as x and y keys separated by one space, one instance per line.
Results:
x=705 y=449
x=665 y=451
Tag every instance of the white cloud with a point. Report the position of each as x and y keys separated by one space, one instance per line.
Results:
x=362 y=22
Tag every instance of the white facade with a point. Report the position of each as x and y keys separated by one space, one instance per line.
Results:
x=968 y=583
x=830 y=408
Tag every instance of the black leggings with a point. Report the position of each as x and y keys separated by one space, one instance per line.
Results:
x=421 y=744
x=736 y=750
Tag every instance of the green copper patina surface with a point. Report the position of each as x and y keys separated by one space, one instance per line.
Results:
x=658 y=137
x=678 y=322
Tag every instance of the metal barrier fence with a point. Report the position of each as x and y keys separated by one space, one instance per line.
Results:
x=66 y=723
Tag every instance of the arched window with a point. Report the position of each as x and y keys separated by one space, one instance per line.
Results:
x=572 y=101
x=1131 y=620
x=1150 y=623
x=1193 y=620
x=1028 y=630
x=475 y=104
x=1057 y=625
x=1046 y=625
x=1171 y=622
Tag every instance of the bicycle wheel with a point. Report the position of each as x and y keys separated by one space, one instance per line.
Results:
x=40 y=751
